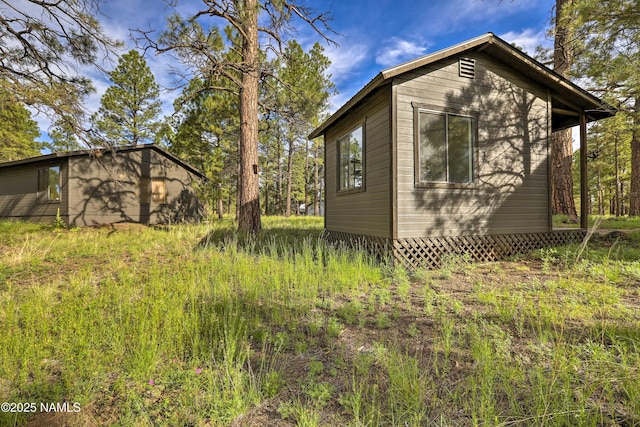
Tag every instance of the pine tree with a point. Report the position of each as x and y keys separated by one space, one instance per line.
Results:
x=18 y=132
x=607 y=50
x=129 y=109
x=609 y=159
x=304 y=95
x=43 y=44
x=562 y=201
x=206 y=135
x=63 y=137
x=244 y=73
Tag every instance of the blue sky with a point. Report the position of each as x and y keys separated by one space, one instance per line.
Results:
x=374 y=35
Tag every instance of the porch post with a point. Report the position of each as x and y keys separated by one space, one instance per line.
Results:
x=584 y=183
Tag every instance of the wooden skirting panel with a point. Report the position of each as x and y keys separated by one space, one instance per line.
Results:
x=428 y=252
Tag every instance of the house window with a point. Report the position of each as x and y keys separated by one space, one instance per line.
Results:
x=158 y=190
x=445 y=148
x=350 y=160
x=49 y=184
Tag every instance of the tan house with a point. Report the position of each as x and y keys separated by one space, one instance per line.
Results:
x=450 y=154
x=143 y=184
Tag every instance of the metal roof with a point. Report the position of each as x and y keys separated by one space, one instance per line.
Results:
x=568 y=99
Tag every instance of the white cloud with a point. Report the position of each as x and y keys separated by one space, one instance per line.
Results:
x=339 y=100
x=528 y=39
x=398 y=50
x=458 y=15
x=345 y=60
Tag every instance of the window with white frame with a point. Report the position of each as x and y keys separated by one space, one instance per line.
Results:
x=445 y=148
x=350 y=160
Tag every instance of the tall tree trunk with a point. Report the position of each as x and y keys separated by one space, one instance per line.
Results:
x=634 y=194
x=289 y=177
x=220 y=205
x=306 y=178
x=562 y=141
x=562 y=158
x=248 y=189
x=266 y=197
x=611 y=198
x=600 y=193
x=279 y=178
x=316 y=181
x=617 y=166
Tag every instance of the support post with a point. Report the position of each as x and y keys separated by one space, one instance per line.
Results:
x=584 y=183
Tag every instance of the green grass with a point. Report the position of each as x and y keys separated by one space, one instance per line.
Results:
x=193 y=325
x=608 y=222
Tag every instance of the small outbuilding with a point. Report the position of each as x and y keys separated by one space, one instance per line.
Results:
x=141 y=184
x=450 y=154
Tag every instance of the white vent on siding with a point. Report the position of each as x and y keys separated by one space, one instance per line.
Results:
x=467 y=67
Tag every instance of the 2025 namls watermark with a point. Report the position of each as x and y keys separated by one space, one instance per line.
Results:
x=36 y=407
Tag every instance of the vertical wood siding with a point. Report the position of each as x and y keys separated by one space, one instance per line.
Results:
x=366 y=212
x=510 y=193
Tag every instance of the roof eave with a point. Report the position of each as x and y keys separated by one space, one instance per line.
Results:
x=563 y=86
x=78 y=153
x=376 y=82
x=502 y=51
x=389 y=73
x=178 y=160
x=438 y=55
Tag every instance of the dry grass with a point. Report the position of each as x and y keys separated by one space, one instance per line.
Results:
x=192 y=326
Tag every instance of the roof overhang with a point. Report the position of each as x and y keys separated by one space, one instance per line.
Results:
x=568 y=100
x=97 y=152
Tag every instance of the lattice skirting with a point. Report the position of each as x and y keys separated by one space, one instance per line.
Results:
x=428 y=252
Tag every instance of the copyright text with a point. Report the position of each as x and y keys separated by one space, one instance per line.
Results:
x=33 y=407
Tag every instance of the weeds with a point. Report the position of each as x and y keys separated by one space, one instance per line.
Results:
x=193 y=325
x=363 y=403
x=58 y=222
